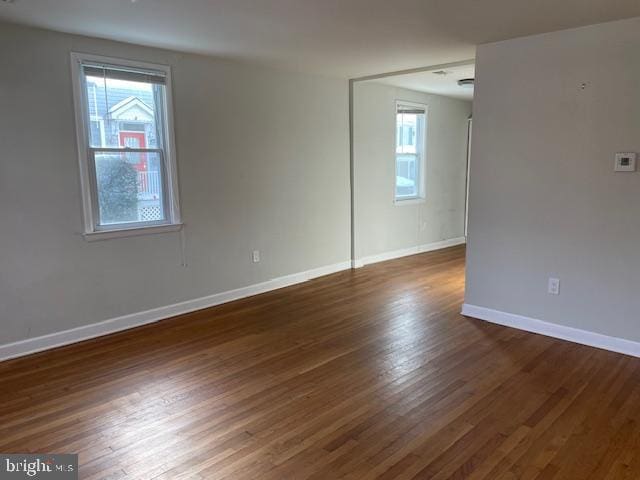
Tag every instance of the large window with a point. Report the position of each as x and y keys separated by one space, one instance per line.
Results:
x=411 y=121
x=125 y=141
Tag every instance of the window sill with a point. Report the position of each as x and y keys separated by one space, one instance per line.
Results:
x=409 y=201
x=131 y=232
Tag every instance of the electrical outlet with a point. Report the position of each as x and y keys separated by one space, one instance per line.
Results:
x=256 y=256
x=554 y=286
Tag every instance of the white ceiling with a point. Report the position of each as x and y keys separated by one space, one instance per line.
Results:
x=441 y=81
x=347 y=38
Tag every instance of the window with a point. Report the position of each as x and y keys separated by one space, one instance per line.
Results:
x=411 y=121
x=125 y=143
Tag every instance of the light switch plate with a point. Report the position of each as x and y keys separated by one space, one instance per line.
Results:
x=625 y=162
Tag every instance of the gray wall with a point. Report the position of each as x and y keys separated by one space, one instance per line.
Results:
x=382 y=226
x=544 y=199
x=263 y=163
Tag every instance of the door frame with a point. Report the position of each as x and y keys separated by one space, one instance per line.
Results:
x=355 y=262
x=466 y=199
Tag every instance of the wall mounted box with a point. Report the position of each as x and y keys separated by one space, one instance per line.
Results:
x=625 y=162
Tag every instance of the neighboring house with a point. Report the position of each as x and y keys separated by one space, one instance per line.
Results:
x=123 y=116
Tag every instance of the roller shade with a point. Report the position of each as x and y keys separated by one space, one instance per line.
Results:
x=117 y=73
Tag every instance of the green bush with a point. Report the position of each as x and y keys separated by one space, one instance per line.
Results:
x=117 y=190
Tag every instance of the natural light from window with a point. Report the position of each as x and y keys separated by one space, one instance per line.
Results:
x=128 y=164
x=410 y=148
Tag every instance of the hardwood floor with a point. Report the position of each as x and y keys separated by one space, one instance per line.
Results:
x=357 y=375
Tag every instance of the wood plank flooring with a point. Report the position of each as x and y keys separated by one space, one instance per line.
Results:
x=370 y=374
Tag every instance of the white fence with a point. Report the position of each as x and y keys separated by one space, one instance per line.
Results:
x=149 y=184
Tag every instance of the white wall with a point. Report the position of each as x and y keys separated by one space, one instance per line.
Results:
x=381 y=225
x=263 y=161
x=544 y=200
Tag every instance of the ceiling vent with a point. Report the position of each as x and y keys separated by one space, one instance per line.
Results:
x=466 y=82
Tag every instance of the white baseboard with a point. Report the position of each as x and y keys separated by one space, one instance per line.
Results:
x=584 y=337
x=428 y=247
x=66 y=337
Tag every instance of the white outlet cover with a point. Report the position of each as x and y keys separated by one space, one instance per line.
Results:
x=553 y=288
x=625 y=162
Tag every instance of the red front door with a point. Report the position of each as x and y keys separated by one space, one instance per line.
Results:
x=135 y=140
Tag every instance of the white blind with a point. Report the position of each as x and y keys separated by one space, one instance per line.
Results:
x=410 y=109
x=120 y=73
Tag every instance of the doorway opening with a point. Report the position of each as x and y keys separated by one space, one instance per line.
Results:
x=410 y=161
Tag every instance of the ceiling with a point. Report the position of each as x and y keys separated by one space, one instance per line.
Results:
x=441 y=81
x=346 y=38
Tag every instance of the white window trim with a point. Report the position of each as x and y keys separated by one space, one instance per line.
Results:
x=174 y=221
x=422 y=196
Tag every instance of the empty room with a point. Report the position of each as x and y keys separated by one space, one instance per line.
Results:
x=319 y=239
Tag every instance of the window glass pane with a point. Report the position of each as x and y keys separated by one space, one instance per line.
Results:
x=130 y=187
x=407 y=126
x=406 y=176
x=124 y=106
x=410 y=139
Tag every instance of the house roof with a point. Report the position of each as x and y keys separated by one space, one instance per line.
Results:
x=118 y=96
x=128 y=104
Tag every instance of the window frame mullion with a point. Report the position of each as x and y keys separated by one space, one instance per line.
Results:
x=125 y=150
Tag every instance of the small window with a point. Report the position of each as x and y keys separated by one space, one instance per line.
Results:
x=411 y=120
x=125 y=141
